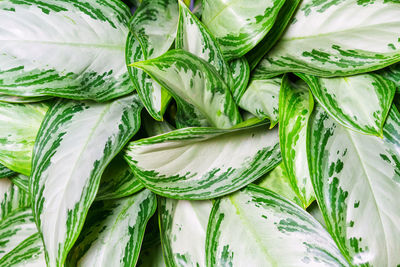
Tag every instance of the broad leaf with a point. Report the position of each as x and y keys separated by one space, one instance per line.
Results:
x=183 y=226
x=195 y=81
x=153 y=30
x=256 y=227
x=203 y=163
x=117 y=181
x=11 y=198
x=113 y=232
x=194 y=37
x=261 y=99
x=241 y=75
x=327 y=39
x=392 y=73
x=5 y=172
x=278 y=181
x=357 y=184
x=282 y=20
x=19 y=124
x=239 y=25
x=295 y=107
x=359 y=102
x=28 y=253
x=75 y=143
x=72 y=49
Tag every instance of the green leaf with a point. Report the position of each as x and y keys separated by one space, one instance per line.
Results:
x=183 y=226
x=192 y=36
x=75 y=143
x=64 y=48
x=11 y=198
x=21 y=181
x=21 y=99
x=326 y=38
x=278 y=181
x=191 y=79
x=203 y=163
x=19 y=124
x=256 y=227
x=392 y=73
x=113 y=232
x=356 y=180
x=239 y=25
x=261 y=99
x=241 y=75
x=153 y=30
x=151 y=257
x=359 y=102
x=282 y=20
x=28 y=253
x=295 y=107
x=117 y=181
x=5 y=172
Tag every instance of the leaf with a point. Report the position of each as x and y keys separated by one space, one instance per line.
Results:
x=19 y=124
x=392 y=73
x=295 y=107
x=261 y=99
x=117 y=181
x=278 y=181
x=5 y=172
x=192 y=36
x=203 y=163
x=11 y=198
x=256 y=227
x=356 y=181
x=64 y=48
x=179 y=220
x=193 y=80
x=239 y=25
x=241 y=75
x=153 y=30
x=359 y=102
x=282 y=20
x=151 y=257
x=326 y=39
x=113 y=232
x=153 y=127
x=29 y=253
x=22 y=182
x=75 y=143
x=21 y=99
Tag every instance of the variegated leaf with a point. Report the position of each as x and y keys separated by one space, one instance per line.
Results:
x=261 y=99
x=117 y=181
x=75 y=143
x=392 y=73
x=357 y=183
x=11 y=198
x=241 y=75
x=256 y=227
x=195 y=81
x=278 y=181
x=203 y=163
x=183 y=227
x=5 y=172
x=315 y=211
x=28 y=253
x=359 y=102
x=194 y=37
x=295 y=107
x=239 y=25
x=19 y=124
x=153 y=127
x=327 y=39
x=72 y=49
x=22 y=99
x=113 y=232
x=153 y=30
x=282 y=20
x=21 y=181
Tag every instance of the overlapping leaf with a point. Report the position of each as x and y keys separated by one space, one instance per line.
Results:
x=326 y=38
x=295 y=107
x=113 y=232
x=203 y=163
x=72 y=49
x=191 y=79
x=252 y=226
x=5 y=172
x=75 y=143
x=359 y=102
x=241 y=74
x=357 y=183
x=239 y=25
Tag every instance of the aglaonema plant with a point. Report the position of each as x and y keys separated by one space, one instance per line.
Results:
x=199 y=133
